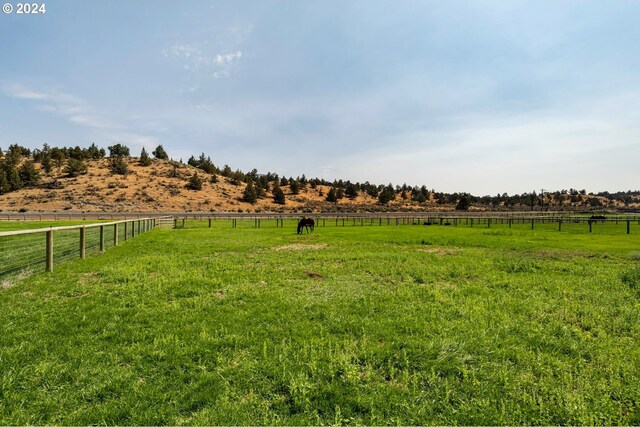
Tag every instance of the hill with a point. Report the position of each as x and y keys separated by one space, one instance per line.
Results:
x=163 y=186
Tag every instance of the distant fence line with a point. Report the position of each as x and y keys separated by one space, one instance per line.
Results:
x=26 y=250
x=426 y=219
x=62 y=216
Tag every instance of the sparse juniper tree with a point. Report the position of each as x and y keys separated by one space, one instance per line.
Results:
x=351 y=191
x=249 y=195
x=46 y=164
x=119 y=150
x=13 y=176
x=119 y=166
x=331 y=195
x=75 y=167
x=58 y=157
x=214 y=179
x=278 y=194
x=284 y=181
x=159 y=153
x=193 y=162
x=145 y=160
x=4 y=183
x=294 y=186
x=463 y=203
x=29 y=174
x=93 y=152
x=260 y=190
x=195 y=182
x=339 y=193
x=387 y=194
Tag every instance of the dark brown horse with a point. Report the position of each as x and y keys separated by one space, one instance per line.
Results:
x=307 y=223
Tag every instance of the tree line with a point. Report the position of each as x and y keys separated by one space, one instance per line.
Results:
x=17 y=170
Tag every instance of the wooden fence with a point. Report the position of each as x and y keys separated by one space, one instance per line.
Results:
x=22 y=250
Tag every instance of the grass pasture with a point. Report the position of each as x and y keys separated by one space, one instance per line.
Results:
x=348 y=325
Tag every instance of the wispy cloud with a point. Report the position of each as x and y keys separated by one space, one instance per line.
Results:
x=199 y=58
x=77 y=111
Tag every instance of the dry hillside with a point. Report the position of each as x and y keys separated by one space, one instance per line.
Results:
x=158 y=187
x=162 y=187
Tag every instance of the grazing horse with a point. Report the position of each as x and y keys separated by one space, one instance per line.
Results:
x=307 y=223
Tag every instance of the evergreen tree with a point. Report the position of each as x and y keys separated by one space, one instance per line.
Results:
x=339 y=193
x=119 y=150
x=159 y=153
x=463 y=203
x=15 y=183
x=294 y=186
x=4 y=183
x=75 y=167
x=284 y=181
x=195 y=182
x=46 y=164
x=214 y=179
x=28 y=173
x=95 y=153
x=331 y=195
x=250 y=195
x=119 y=166
x=387 y=194
x=193 y=162
x=351 y=191
x=278 y=194
x=145 y=160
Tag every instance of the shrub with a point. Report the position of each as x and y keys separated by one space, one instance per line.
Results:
x=75 y=167
x=250 y=195
x=119 y=166
x=118 y=150
x=195 y=182
x=145 y=160
x=278 y=196
x=159 y=153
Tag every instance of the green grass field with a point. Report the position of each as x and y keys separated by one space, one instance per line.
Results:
x=348 y=325
x=26 y=225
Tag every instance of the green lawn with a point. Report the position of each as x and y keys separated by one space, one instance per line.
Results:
x=348 y=325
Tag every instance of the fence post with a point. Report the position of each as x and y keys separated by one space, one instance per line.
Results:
x=532 y=223
x=560 y=225
x=126 y=230
x=49 y=251
x=210 y=223
x=628 y=226
x=115 y=234
x=102 y=238
x=83 y=243
x=590 y=224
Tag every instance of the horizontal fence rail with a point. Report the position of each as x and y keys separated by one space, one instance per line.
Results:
x=64 y=216
x=626 y=223
x=25 y=251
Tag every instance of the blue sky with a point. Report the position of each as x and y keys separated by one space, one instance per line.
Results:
x=475 y=96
